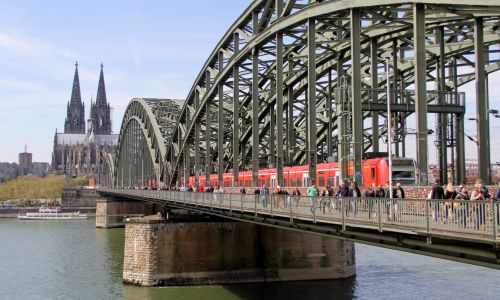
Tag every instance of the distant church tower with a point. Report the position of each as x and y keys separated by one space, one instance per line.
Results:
x=75 y=118
x=100 y=111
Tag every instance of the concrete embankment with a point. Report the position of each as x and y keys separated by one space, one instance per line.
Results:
x=14 y=211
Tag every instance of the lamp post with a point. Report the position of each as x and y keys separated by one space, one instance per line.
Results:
x=389 y=137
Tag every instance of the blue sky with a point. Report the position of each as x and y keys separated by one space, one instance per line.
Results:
x=148 y=48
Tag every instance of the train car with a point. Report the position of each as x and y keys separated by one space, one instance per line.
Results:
x=375 y=171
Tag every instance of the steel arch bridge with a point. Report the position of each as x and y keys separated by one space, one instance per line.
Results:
x=145 y=133
x=296 y=82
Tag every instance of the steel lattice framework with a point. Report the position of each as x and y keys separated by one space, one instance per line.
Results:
x=295 y=82
x=145 y=133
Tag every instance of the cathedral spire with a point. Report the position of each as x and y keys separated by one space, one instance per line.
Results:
x=101 y=90
x=76 y=96
x=75 y=118
x=100 y=112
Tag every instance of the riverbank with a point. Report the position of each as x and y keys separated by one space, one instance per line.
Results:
x=14 y=211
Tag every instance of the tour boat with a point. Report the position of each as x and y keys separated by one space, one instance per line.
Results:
x=45 y=213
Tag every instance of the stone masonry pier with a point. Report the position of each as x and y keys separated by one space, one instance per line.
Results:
x=159 y=252
x=110 y=212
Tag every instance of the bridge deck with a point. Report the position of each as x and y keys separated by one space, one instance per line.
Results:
x=463 y=231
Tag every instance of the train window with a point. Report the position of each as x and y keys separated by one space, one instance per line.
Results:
x=330 y=180
x=373 y=173
x=299 y=182
x=292 y=182
x=321 y=181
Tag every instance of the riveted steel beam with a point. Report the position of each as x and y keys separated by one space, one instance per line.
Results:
x=420 y=90
x=236 y=113
x=311 y=99
x=482 y=117
x=357 y=118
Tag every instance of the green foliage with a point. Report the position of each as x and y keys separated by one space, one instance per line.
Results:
x=32 y=187
x=78 y=181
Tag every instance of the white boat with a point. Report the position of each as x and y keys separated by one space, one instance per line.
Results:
x=45 y=213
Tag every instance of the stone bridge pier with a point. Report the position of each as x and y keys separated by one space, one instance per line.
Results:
x=203 y=250
x=111 y=211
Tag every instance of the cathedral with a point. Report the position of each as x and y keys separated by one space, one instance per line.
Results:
x=80 y=151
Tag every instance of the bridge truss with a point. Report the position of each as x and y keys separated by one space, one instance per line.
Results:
x=145 y=133
x=298 y=82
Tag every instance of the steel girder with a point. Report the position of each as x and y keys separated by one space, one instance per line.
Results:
x=108 y=170
x=269 y=48
x=146 y=131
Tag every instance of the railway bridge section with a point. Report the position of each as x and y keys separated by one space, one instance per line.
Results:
x=300 y=82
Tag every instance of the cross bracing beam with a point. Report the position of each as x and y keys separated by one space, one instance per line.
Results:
x=146 y=127
x=391 y=23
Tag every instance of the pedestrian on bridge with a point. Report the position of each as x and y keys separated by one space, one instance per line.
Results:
x=496 y=201
x=354 y=194
x=437 y=193
x=264 y=192
x=370 y=197
x=313 y=192
x=478 y=195
x=463 y=196
x=380 y=192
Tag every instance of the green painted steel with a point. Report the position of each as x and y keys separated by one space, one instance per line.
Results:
x=301 y=82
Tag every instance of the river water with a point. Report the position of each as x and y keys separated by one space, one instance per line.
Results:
x=73 y=260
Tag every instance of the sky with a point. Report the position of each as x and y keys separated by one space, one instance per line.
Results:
x=148 y=48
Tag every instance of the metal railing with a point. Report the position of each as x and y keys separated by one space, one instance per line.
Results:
x=473 y=219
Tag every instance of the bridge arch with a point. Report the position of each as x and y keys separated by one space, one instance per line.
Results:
x=107 y=172
x=283 y=86
x=145 y=131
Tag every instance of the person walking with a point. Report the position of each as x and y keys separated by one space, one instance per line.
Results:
x=355 y=195
x=380 y=192
x=496 y=201
x=450 y=194
x=478 y=195
x=313 y=192
x=296 y=196
x=437 y=193
x=370 y=198
x=398 y=191
x=264 y=194
x=463 y=206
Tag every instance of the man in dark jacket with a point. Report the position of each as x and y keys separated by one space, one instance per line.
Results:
x=437 y=192
x=344 y=189
x=380 y=193
x=399 y=192
x=355 y=195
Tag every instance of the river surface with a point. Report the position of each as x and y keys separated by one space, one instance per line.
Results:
x=73 y=260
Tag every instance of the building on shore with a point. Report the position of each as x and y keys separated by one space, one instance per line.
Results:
x=41 y=169
x=471 y=172
x=26 y=161
x=79 y=151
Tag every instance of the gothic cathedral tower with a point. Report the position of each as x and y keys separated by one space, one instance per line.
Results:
x=75 y=118
x=100 y=111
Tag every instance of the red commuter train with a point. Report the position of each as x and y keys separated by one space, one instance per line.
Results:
x=375 y=170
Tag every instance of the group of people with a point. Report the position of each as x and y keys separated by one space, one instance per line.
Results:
x=465 y=211
x=352 y=191
x=328 y=197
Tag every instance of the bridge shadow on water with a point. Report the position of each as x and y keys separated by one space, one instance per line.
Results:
x=310 y=290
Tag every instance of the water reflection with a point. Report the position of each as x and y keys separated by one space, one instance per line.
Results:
x=310 y=290
x=73 y=260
